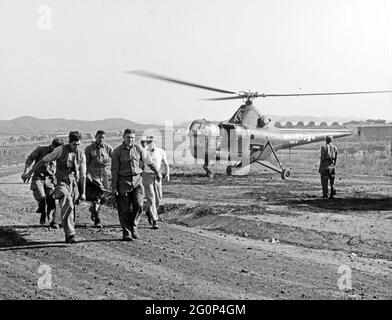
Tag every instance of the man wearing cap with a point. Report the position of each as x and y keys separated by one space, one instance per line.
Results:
x=43 y=181
x=70 y=169
x=152 y=185
x=328 y=157
x=128 y=159
x=143 y=142
x=98 y=156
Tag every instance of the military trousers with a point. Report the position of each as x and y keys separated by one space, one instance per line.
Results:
x=130 y=207
x=327 y=175
x=153 y=193
x=43 y=192
x=67 y=193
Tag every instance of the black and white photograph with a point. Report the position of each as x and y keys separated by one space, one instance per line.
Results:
x=195 y=155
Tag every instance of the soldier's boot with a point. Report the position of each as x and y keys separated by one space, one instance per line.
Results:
x=333 y=193
x=70 y=239
x=155 y=225
x=126 y=237
x=134 y=233
x=50 y=214
x=54 y=225
x=97 y=222
x=149 y=217
x=92 y=211
x=42 y=211
x=42 y=219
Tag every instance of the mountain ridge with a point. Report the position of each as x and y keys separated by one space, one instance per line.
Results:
x=32 y=125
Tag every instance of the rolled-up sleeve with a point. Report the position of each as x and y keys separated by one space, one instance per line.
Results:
x=83 y=167
x=56 y=154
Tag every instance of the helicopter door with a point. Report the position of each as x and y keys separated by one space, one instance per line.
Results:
x=233 y=141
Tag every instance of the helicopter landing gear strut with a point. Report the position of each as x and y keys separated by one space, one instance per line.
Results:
x=207 y=167
x=237 y=168
x=284 y=172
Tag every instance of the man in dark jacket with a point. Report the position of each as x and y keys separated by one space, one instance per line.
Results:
x=328 y=157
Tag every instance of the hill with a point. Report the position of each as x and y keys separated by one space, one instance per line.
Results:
x=30 y=125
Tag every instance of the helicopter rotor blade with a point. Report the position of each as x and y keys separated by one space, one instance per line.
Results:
x=264 y=95
x=148 y=74
x=226 y=98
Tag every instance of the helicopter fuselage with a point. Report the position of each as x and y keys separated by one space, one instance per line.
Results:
x=229 y=141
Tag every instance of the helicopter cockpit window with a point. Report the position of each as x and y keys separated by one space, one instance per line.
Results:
x=197 y=125
x=262 y=121
x=238 y=116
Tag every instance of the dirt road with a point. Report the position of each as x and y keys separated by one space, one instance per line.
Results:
x=220 y=240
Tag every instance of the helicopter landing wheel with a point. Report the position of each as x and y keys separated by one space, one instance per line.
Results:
x=285 y=174
x=229 y=170
x=210 y=174
x=208 y=171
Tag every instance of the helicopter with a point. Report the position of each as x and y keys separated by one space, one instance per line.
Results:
x=248 y=137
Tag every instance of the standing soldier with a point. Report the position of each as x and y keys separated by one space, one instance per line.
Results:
x=70 y=168
x=329 y=154
x=127 y=162
x=98 y=156
x=152 y=185
x=42 y=182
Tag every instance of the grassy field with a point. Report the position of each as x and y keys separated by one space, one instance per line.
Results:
x=356 y=155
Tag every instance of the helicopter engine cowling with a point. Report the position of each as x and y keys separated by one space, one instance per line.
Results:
x=204 y=139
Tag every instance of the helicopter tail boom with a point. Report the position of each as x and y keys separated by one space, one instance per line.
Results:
x=293 y=137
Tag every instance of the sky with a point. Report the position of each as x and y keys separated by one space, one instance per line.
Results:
x=67 y=59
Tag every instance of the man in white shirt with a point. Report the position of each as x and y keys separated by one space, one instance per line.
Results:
x=153 y=186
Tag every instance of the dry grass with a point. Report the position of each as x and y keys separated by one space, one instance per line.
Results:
x=363 y=157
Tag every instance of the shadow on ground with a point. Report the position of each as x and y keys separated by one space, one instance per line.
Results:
x=11 y=239
x=344 y=204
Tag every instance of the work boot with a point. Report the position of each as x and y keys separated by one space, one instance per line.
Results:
x=92 y=217
x=42 y=219
x=70 y=239
x=135 y=235
x=97 y=223
x=155 y=225
x=149 y=218
x=54 y=225
x=127 y=238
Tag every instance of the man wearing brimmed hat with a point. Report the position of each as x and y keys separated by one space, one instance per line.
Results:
x=328 y=157
x=143 y=142
x=152 y=185
x=43 y=182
